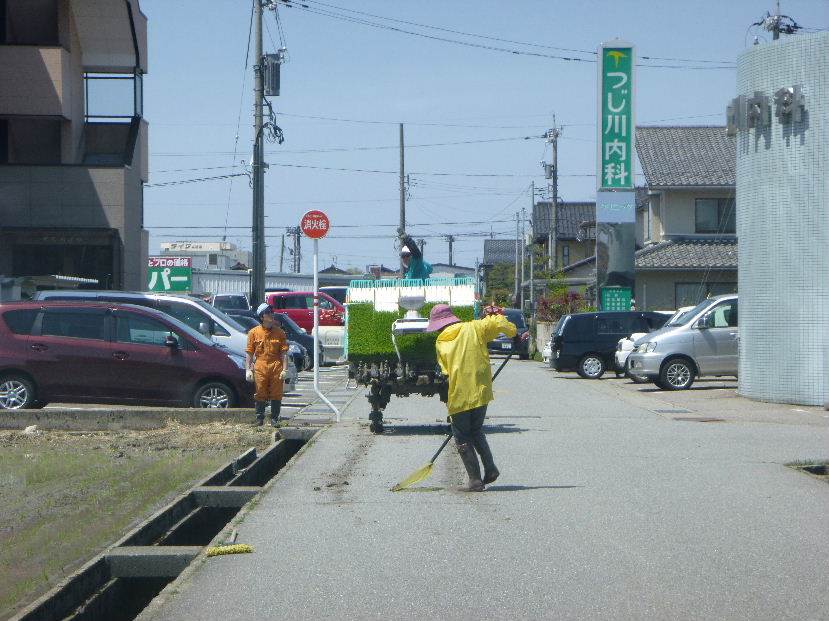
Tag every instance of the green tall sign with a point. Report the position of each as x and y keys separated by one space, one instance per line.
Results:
x=616 y=123
x=615 y=198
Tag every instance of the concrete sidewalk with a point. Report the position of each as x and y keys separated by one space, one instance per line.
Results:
x=605 y=509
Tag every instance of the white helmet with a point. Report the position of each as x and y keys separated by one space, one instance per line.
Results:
x=263 y=308
x=404 y=251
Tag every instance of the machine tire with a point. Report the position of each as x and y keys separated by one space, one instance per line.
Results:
x=17 y=392
x=591 y=366
x=677 y=374
x=214 y=395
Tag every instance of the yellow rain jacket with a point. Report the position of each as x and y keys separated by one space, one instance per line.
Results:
x=463 y=356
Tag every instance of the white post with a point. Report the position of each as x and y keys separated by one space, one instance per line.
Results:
x=317 y=332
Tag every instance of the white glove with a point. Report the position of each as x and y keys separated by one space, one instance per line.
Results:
x=249 y=375
x=283 y=374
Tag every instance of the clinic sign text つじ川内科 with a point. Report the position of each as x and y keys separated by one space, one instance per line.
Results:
x=616 y=123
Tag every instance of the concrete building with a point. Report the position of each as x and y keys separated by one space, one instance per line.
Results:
x=781 y=121
x=445 y=270
x=73 y=143
x=210 y=255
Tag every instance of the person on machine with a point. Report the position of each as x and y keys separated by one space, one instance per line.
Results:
x=412 y=258
x=266 y=362
x=463 y=357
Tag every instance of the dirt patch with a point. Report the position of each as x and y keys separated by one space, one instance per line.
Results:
x=65 y=496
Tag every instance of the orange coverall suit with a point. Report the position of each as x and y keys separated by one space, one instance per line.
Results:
x=268 y=347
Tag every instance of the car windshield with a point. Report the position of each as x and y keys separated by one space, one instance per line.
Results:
x=686 y=317
x=216 y=312
x=516 y=317
x=230 y=301
x=678 y=318
x=290 y=323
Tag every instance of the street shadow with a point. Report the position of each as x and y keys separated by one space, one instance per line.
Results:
x=521 y=488
x=443 y=430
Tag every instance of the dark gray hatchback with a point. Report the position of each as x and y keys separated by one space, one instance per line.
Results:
x=586 y=342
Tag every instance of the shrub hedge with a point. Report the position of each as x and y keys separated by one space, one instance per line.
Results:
x=369 y=335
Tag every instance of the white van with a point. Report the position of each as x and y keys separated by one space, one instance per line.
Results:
x=196 y=313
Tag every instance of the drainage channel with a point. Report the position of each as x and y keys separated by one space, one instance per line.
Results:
x=121 y=582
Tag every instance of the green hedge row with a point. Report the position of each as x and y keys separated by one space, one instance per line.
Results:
x=369 y=335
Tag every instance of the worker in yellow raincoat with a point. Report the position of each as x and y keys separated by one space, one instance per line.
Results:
x=267 y=363
x=463 y=357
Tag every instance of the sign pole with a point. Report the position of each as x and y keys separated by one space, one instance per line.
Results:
x=315 y=225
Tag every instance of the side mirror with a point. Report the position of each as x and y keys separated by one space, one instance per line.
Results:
x=171 y=341
x=204 y=328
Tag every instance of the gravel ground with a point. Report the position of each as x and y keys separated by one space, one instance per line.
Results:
x=607 y=508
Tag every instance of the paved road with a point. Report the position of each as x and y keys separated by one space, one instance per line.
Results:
x=606 y=509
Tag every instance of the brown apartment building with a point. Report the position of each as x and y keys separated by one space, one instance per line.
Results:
x=73 y=143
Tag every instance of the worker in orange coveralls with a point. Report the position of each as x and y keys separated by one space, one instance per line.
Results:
x=267 y=361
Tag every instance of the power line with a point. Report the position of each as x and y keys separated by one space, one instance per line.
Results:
x=340 y=226
x=347 y=18
x=199 y=180
x=502 y=40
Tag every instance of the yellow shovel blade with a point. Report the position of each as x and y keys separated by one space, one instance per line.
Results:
x=415 y=477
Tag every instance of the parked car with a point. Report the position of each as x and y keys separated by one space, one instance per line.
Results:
x=586 y=342
x=627 y=344
x=227 y=301
x=112 y=353
x=198 y=314
x=288 y=325
x=299 y=306
x=703 y=342
x=338 y=293
x=505 y=345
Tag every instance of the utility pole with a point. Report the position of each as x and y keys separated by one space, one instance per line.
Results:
x=282 y=255
x=552 y=176
x=402 y=193
x=517 y=242
x=532 y=244
x=257 y=293
x=451 y=240
x=523 y=252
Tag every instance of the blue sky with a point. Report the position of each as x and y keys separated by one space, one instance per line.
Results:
x=444 y=92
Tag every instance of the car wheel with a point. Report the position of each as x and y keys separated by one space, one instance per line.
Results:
x=214 y=395
x=16 y=393
x=591 y=366
x=677 y=374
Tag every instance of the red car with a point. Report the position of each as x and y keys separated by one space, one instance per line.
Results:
x=299 y=306
x=112 y=353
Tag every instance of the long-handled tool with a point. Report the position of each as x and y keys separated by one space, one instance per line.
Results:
x=424 y=472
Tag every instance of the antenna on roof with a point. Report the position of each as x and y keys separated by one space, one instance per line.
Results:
x=778 y=23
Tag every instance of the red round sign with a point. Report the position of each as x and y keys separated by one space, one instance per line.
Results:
x=315 y=224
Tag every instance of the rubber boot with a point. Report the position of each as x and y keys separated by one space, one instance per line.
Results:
x=260 y=412
x=276 y=406
x=473 y=470
x=490 y=470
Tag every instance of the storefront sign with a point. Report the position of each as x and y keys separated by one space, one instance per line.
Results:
x=746 y=112
x=169 y=274
x=615 y=207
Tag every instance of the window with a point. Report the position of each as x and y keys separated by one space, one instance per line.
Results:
x=579 y=327
x=724 y=316
x=324 y=304
x=516 y=317
x=213 y=259
x=142 y=330
x=565 y=255
x=186 y=314
x=619 y=325
x=692 y=293
x=297 y=301
x=20 y=321
x=78 y=325
x=715 y=215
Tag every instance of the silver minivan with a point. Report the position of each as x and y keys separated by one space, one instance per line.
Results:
x=704 y=342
